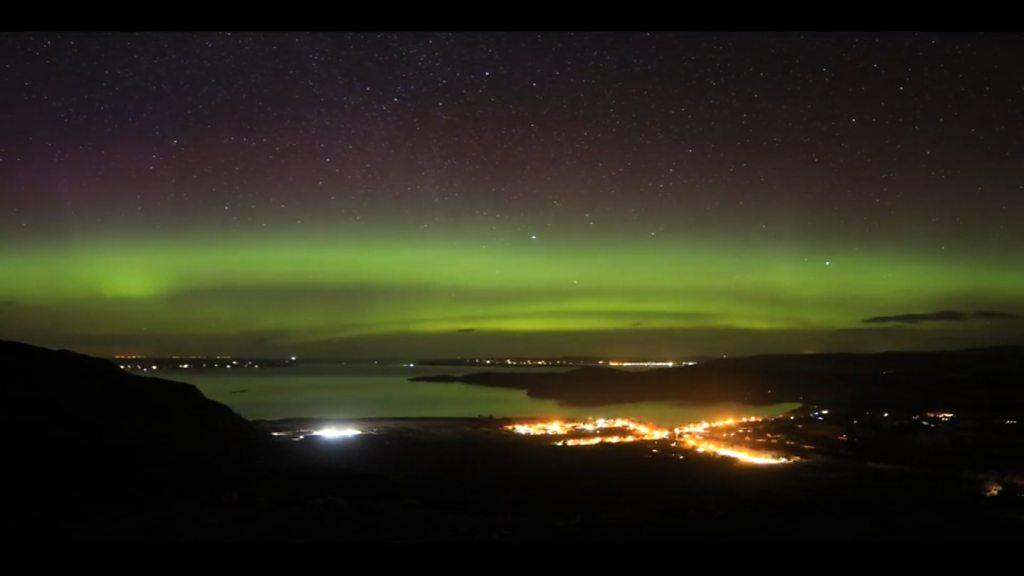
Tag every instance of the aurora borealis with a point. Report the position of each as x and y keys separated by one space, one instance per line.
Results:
x=413 y=195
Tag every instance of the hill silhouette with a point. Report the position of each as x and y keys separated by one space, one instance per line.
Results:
x=73 y=402
x=984 y=380
x=91 y=451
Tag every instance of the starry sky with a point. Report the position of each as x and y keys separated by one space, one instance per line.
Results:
x=411 y=195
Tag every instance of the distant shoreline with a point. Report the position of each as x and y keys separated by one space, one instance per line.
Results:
x=984 y=380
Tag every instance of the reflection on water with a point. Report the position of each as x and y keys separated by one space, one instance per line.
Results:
x=346 y=391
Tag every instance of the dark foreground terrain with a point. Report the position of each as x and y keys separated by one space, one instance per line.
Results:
x=99 y=454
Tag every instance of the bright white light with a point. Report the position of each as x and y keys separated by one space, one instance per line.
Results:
x=332 y=433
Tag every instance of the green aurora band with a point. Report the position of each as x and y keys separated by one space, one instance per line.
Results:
x=345 y=295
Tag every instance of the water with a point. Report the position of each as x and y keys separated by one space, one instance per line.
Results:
x=345 y=391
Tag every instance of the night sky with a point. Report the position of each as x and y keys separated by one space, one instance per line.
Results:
x=415 y=195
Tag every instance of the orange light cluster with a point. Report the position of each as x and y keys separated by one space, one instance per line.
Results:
x=690 y=436
x=739 y=453
x=636 y=430
x=704 y=426
x=693 y=436
x=591 y=440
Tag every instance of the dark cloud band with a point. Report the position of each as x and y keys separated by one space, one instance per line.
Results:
x=941 y=316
